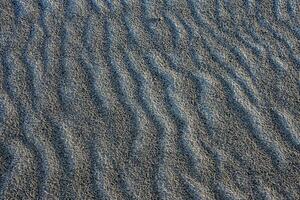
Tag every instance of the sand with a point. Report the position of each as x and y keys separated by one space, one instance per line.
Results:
x=137 y=99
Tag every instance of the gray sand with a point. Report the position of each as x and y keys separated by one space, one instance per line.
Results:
x=133 y=99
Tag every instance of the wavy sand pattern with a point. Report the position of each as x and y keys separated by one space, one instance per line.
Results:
x=140 y=99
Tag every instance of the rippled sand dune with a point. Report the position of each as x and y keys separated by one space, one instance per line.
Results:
x=140 y=99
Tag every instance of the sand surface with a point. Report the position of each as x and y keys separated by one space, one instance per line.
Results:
x=140 y=99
